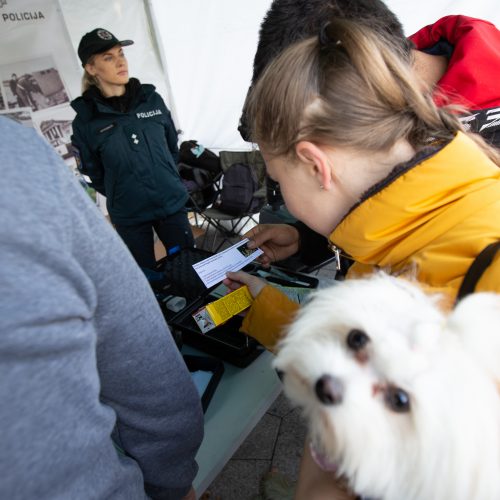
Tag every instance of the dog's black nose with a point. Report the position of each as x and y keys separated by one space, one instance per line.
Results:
x=329 y=390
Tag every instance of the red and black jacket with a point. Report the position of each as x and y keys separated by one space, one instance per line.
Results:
x=472 y=78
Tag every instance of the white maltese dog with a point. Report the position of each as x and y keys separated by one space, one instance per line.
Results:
x=400 y=398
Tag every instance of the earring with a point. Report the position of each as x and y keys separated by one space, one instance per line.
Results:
x=321 y=186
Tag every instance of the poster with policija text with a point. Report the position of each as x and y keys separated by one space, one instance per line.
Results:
x=38 y=70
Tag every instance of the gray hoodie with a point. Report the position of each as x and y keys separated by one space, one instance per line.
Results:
x=86 y=359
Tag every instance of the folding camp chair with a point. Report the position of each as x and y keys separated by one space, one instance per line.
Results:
x=201 y=173
x=202 y=186
x=229 y=224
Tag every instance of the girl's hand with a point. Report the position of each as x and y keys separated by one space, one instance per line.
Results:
x=236 y=280
x=278 y=241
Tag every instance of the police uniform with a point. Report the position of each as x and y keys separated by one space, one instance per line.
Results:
x=127 y=146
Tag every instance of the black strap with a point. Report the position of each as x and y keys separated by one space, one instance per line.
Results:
x=476 y=270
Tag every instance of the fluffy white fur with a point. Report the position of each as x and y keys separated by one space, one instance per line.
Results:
x=447 y=446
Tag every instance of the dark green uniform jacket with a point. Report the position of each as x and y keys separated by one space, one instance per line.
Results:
x=129 y=156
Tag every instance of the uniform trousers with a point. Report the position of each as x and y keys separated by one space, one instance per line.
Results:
x=173 y=231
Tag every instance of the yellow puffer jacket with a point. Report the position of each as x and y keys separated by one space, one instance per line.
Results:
x=430 y=222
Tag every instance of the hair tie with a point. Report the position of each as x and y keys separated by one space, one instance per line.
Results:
x=325 y=39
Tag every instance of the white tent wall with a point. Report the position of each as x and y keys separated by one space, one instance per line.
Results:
x=208 y=47
x=415 y=15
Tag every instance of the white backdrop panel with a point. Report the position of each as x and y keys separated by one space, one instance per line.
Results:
x=33 y=39
x=208 y=46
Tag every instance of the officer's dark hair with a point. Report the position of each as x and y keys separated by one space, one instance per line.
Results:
x=288 y=21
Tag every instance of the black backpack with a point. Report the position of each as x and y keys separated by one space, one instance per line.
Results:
x=197 y=155
x=239 y=186
x=200 y=185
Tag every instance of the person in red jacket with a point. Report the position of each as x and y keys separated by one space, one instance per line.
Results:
x=471 y=48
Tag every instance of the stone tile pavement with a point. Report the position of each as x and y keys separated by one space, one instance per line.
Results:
x=276 y=442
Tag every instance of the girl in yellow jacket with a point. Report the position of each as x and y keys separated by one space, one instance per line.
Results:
x=365 y=158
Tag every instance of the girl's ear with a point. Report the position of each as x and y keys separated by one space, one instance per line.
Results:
x=316 y=159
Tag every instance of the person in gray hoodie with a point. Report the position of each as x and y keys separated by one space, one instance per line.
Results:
x=96 y=400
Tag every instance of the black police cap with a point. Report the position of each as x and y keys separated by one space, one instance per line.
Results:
x=96 y=42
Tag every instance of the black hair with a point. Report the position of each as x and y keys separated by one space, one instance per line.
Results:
x=289 y=21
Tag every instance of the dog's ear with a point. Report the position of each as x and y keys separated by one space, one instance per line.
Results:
x=476 y=319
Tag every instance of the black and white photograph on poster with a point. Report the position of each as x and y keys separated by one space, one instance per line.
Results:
x=36 y=84
x=20 y=115
x=55 y=126
x=2 y=101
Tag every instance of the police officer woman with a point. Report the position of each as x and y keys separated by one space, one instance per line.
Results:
x=125 y=141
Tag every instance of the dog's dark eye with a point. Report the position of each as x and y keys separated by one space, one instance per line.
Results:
x=397 y=399
x=357 y=339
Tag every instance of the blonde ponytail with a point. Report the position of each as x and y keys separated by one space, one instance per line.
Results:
x=87 y=79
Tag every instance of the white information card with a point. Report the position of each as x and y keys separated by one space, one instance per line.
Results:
x=213 y=270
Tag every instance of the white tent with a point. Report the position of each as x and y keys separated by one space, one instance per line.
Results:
x=198 y=53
